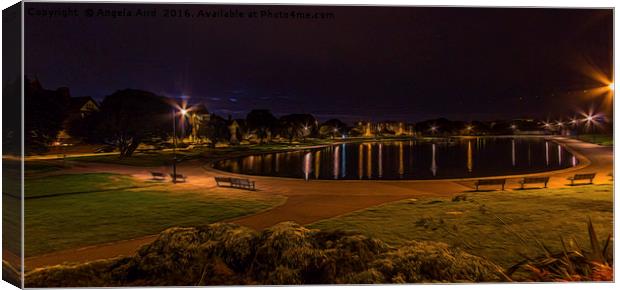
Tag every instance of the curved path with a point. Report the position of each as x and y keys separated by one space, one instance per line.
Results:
x=315 y=200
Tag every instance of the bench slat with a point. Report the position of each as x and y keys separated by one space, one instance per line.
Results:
x=236 y=182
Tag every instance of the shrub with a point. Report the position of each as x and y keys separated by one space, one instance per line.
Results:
x=228 y=254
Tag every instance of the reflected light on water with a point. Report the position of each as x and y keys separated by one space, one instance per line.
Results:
x=307 y=165
x=376 y=160
x=343 y=168
x=380 y=161
x=470 y=162
x=547 y=152
x=360 y=161
x=514 y=154
x=401 y=164
x=317 y=164
x=574 y=161
x=433 y=163
x=369 y=161
x=336 y=161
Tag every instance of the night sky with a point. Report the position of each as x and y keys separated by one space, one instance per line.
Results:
x=377 y=63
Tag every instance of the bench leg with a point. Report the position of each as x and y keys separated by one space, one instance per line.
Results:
x=476 y=187
x=502 y=187
x=522 y=185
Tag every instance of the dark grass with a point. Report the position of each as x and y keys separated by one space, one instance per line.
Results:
x=71 y=221
x=76 y=183
x=498 y=225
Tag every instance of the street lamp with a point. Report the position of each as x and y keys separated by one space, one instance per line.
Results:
x=590 y=121
x=469 y=129
x=174 y=142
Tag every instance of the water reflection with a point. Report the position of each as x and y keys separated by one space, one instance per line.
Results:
x=369 y=161
x=360 y=161
x=470 y=162
x=307 y=167
x=380 y=161
x=401 y=163
x=343 y=168
x=386 y=160
x=514 y=155
x=547 y=152
x=336 y=162
x=317 y=164
x=433 y=163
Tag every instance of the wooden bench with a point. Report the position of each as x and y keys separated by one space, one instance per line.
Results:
x=158 y=175
x=178 y=177
x=530 y=180
x=220 y=180
x=235 y=182
x=501 y=182
x=584 y=176
x=242 y=183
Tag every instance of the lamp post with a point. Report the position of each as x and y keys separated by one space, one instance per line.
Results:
x=590 y=126
x=174 y=143
x=575 y=125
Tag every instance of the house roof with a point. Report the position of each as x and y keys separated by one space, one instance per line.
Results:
x=78 y=102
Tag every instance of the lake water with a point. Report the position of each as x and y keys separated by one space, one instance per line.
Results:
x=413 y=159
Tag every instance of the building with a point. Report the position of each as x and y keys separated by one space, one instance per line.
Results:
x=79 y=108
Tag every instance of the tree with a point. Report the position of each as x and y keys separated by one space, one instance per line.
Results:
x=333 y=128
x=45 y=112
x=216 y=130
x=298 y=125
x=262 y=122
x=129 y=117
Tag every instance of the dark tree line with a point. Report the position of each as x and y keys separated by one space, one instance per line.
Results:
x=128 y=118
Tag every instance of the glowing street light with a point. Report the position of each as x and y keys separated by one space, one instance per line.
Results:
x=611 y=86
x=433 y=129
x=183 y=112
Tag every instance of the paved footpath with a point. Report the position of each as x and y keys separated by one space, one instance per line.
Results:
x=315 y=200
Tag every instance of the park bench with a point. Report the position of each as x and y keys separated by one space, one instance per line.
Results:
x=530 y=180
x=220 y=180
x=158 y=175
x=235 y=182
x=584 y=176
x=178 y=177
x=480 y=182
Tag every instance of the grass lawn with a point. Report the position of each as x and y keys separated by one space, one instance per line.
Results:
x=77 y=220
x=76 y=183
x=601 y=139
x=496 y=225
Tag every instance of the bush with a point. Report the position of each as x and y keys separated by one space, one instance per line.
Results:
x=228 y=254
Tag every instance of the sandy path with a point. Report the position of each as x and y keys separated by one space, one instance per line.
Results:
x=315 y=200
